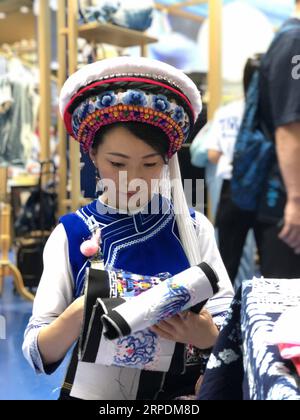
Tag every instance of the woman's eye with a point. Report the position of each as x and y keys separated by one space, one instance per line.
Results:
x=117 y=164
x=150 y=165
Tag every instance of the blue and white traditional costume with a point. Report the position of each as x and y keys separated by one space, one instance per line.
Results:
x=144 y=242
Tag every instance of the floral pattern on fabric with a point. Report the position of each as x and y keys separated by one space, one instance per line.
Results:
x=172 y=302
x=135 y=97
x=106 y=99
x=137 y=351
x=161 y=103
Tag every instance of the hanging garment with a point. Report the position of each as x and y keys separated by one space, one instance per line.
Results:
x=6 y=102
x=6 y=98
x=16 y=125
x=3 y=65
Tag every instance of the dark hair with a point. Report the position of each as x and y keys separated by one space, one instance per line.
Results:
x=151 y=135
x=251 y=66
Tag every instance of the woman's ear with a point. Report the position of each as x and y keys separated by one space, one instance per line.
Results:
x=92 y=156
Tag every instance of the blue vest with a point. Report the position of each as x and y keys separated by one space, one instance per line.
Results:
x=143 y=243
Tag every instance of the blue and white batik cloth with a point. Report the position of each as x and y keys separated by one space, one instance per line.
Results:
x=243 y=364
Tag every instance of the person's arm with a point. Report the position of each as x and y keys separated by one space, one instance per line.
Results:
x=55 y=340
x=56 y=319
x=214 y=156
x=288 y=152
x=215 y=149
x=283 y=90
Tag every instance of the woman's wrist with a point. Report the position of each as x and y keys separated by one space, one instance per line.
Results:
x=209 y=340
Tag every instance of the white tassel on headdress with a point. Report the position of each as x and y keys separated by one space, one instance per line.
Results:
x=186 y=224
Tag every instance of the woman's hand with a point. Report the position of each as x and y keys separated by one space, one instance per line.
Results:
x=55 y=339
x=198 y=330
x=290 y=233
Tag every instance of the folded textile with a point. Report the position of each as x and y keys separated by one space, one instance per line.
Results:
x=138 y=18
x=128 y=13
x=101 y=13
x=176 y=294
x=143 y=350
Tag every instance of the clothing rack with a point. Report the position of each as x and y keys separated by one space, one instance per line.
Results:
x=19 y=29
x=44 y=63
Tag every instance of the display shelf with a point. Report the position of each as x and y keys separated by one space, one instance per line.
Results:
x=115 y=35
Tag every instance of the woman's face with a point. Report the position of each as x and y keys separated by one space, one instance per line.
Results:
x=128 y=168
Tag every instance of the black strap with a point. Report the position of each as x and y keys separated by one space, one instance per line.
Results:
x=70 y=376
x=97 y=281
x=213 y=279
x=113 y=324
x=97 y=284
x=211 y=275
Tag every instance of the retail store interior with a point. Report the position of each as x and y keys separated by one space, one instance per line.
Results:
x=45 y=174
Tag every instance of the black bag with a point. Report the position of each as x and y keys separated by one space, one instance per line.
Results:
x=39 y=212
x=35 y=223
x=30 y=258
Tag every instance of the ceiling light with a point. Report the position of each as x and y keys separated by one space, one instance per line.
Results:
x=2 y=15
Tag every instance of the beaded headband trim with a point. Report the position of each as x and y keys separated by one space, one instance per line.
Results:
x=69 y=111
x=124 y=113
x=124 y=105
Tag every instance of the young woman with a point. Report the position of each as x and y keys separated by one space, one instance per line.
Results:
x=132 y=116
